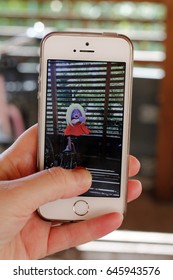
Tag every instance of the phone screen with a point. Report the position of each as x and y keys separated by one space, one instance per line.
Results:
x=84 y=120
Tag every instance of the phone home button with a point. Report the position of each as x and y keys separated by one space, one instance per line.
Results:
x=81 y=207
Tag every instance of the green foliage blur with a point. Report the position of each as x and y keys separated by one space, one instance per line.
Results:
x=122 y=17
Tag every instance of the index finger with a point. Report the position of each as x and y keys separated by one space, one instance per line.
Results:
x=134 y=166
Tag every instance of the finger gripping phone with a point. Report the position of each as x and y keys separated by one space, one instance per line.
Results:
x=85 y=86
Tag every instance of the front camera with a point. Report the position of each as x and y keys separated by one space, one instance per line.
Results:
x=87 y=44
x=74 y=50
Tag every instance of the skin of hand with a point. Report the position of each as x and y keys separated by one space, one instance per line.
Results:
x=23 y=234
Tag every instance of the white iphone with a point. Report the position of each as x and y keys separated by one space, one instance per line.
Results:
x=85 y=86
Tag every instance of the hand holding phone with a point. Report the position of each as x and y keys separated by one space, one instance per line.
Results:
x=23 y=190
x=84 y=118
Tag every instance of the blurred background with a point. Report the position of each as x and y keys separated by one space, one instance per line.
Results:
x=147 y=231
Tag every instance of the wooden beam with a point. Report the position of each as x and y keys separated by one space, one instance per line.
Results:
x=164 y=171
x=66 y=17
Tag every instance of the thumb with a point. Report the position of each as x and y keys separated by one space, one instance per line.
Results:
x=27 y=194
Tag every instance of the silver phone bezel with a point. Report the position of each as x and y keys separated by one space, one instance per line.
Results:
x=60 y=45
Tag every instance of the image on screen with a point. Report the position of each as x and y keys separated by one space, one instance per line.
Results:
x=84 y=120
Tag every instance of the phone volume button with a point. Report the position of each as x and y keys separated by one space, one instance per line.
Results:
x=38 y=95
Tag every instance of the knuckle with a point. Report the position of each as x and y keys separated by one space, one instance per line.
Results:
x=57 y=175
x=60 y=179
